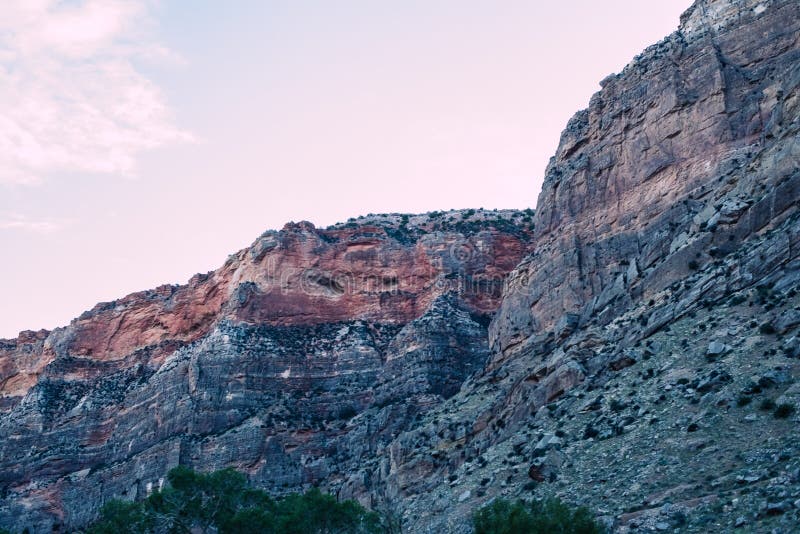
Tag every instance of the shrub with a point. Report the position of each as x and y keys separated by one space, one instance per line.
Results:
x=347 y=412
x=616 y=405
x=783 y=410
x=737 y=299
x=743 y=400
x=538 y=517
x=767 y=328
x=767 y=405
x=222 y=502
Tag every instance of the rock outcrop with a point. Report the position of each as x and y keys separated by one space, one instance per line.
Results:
x=666 y=252
x=683 y=141
x=267 y=364
x=643 y=360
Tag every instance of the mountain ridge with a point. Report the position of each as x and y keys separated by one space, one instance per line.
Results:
x=646 y=327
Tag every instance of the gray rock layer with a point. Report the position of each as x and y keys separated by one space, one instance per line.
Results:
x=644 y=360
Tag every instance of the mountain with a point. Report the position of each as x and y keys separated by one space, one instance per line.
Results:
x=297 y=360
x=632 y=346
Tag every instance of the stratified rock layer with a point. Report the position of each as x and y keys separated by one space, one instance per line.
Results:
x=634 y=364
x=264 y=364
x=701 y=122
x=627 y=346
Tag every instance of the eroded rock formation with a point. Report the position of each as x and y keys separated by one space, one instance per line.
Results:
x=262 y=364
x=666 y=246
x=645 y=333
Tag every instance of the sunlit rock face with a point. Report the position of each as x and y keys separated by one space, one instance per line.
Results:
x=701 y=122
x=267 y=364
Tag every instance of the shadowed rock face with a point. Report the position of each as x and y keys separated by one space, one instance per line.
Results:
x=639 y=330
x=264 y=364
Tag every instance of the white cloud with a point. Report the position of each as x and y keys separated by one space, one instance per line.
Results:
x=16 y=221
x=71 y=97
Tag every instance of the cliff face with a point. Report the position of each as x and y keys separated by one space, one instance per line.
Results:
x=262 y=364
x=659 y=305
x=699 y=123
x=381 y=270
x=645 y=315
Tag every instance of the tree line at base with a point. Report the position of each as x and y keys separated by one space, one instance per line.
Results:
x=222 y=502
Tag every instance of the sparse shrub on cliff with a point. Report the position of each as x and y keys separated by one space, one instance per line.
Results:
x=783 y=410
x=736 y=300
x=537 y=517
x=222 y=502
x=617 y=405
x=767 y=405
x=347 y=412
x=767 y=329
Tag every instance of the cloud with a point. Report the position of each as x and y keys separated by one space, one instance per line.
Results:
x=16 y=221
x=71 y=96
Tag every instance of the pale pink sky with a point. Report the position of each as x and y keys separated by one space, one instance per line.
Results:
x=142 y=141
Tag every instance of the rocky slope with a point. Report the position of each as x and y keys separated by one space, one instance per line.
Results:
x=635 y=364
x=659 y=308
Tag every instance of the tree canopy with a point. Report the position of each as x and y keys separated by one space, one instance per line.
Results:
x=549 y=516
x=223 y=502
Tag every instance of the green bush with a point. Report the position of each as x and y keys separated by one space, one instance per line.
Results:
x=767 y=329
x=222 y=502
x=736 y=300
x=538 y=517
x=347 y=412
x=120 y=516
x=783 y=410
x=767 y=405
x=617 y=405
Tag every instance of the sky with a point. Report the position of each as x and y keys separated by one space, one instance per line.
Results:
x=142 y=141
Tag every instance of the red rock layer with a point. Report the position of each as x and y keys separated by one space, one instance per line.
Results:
x=300 y=275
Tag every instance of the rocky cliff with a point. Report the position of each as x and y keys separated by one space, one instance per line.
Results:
x=646 y=329
x=639 y=352
x=302 y=355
